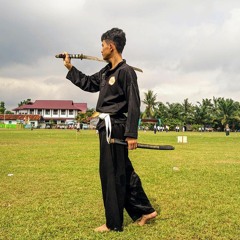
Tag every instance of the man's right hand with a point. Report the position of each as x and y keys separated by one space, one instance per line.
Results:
x=67 y=61
x=132 y=143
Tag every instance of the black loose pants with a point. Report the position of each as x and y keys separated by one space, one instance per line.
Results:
x=121 y=186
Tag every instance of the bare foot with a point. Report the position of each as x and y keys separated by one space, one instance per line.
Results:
x=146 y=218
x=102 y=228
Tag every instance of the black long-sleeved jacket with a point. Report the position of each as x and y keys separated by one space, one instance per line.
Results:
x=118 y=92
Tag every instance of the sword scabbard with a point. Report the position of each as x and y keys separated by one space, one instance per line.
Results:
x=143 y=145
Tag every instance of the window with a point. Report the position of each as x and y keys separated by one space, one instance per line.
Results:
x=55 y=112
x=63 y=112
x=70 y=112
x=39 y=111
x=47 y=111
x=31 y=111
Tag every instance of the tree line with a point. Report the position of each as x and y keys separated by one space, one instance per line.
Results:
x=213 y=113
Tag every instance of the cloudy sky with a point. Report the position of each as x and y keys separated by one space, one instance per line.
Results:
x=186 y=48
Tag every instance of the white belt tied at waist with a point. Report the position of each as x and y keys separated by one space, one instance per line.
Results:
x=108 y=125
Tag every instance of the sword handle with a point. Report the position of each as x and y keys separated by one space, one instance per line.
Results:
x=77 y=56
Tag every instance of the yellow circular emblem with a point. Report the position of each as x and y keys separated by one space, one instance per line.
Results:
x=112 y=80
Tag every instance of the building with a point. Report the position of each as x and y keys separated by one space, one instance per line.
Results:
x=52 y=111
x=11 y=120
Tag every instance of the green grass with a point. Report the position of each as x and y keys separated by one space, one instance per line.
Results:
x=54 y=192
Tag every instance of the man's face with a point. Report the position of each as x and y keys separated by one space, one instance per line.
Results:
x=106 y=50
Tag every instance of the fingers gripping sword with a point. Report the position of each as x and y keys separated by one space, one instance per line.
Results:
x=81 y=56
x=142 y=145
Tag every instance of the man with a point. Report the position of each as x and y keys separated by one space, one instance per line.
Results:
x=119 y=105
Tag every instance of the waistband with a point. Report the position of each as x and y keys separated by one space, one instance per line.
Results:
x=112 y=115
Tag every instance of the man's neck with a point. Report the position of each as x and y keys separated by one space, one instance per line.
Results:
x=115 y=60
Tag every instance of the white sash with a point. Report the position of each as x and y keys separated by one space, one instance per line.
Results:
x=106 y=118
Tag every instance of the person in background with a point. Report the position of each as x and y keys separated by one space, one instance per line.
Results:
x=155 y=128
x=227 y=129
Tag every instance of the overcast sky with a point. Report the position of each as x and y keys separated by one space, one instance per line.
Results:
x=186 y=48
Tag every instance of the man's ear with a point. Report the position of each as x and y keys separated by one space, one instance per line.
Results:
x=112 y=46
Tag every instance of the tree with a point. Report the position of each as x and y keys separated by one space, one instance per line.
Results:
x=203 y=113
x=161 y=112
x=187 y=113
x=2 y=107
x=174 y=114
x=28 y=101
x=83 y=117
x=227 y=111
x=90 y=112
x=150 y=102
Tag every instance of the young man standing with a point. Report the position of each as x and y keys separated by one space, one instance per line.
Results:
x=119 y=108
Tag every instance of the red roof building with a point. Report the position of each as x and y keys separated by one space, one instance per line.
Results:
x=58 y=111
x=53 y=104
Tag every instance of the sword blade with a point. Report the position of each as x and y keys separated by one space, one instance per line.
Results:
x=92 y=58
x=82 y=56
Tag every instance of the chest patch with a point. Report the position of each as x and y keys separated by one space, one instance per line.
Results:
x=112 y=80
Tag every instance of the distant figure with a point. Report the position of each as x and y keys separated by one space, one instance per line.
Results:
x=155 y=128
x=78 y=126
x=227 y=129
x=167 y=128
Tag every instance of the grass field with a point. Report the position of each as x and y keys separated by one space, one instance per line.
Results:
x=50 y=187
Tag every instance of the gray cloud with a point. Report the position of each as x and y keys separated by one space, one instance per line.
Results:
x=187 y=49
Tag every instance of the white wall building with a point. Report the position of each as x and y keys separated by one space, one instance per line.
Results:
x=57 y=111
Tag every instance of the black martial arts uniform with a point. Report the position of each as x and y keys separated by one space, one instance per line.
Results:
x=118 y=96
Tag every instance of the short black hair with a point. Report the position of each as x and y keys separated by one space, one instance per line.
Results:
x=117 y=36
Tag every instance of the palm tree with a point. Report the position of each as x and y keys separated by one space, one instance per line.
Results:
x=174 y=110
x=227 y=111
x=203 y=113
x=187 y=113
x=161 y=112
x=150 y=102
x=174 y=114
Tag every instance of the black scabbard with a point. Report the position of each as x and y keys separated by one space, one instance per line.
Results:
x=143 y=145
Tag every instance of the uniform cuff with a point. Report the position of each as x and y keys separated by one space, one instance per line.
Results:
x=131 y=135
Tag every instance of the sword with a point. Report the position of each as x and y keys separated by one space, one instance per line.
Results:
x=81 y=56
x=143 y=145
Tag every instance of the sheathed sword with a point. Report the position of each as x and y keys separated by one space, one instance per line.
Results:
x=82 y=56
x=143 y=145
